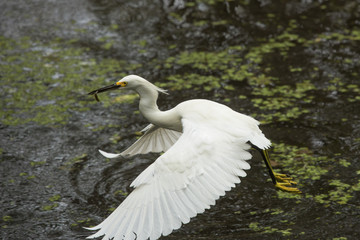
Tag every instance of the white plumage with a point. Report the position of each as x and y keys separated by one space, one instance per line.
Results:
x=206 y=151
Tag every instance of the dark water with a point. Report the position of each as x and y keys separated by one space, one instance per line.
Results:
x=291 y=64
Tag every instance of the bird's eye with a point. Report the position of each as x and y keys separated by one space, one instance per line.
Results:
x=124 y=84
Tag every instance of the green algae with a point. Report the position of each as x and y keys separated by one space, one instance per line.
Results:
x=300 y=162
x=7 y=218
x=282 y=102
x=54 y=198
x=37 y=163
x=193 y=81
x=257 y=227
x=271 y=211
x=54 y=203
x=275 y=98
x=340 y=193
x=31 y=177
x=121 y=192
x=209 y=70
x=125 y=98
x=288 y=195
x=337 y=37
x=344 y=163
x=306 y=168
x=49 y=207
x=77 y=159
x=282 y=226
x=43 y=83
x=81 y=222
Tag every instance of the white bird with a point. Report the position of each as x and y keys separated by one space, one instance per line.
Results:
x=206 y=151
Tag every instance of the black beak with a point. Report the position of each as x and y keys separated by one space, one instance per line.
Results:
x=104 y=89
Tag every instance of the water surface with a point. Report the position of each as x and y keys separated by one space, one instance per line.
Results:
x=293 y=65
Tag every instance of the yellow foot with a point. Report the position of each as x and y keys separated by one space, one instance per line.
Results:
x=285 y=183
x=287 y=186
x=284 y=178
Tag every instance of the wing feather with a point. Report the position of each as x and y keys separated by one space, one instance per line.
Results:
x=175 y=210
x=181 y=208
x=202 y=199
x=131 y=225
x=158 y=221
x=214 y=183
x=187 y=179
x=155 y=139
x=196 y=201
x=206 y=193
x=167 y=216
x=140 y=227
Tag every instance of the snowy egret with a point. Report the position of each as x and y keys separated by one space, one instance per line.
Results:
x=206 y=151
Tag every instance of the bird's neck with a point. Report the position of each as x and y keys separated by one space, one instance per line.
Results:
x=150 y=110
x=148 y=98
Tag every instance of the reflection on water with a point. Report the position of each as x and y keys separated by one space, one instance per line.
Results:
x=291 y=64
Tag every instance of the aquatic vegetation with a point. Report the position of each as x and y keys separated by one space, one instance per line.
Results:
x=43 y=83
x=307 y=168
x=7 y=218
x=235 y=63
x=49 y=207
x=222 y=69
x=300 y=161
x=125 y=98
x=267 y=229
x=121 y=192
x=54 y=199
x=78 y=159
x=37 y=163
x=81 y=222
x=192 y=80
x=283 y=102
x=340 y=193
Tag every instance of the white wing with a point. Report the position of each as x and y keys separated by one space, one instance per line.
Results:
x=184 y=181
x=155 y=139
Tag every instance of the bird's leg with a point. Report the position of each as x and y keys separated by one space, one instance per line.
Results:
x=281 y=181
x=278 y=176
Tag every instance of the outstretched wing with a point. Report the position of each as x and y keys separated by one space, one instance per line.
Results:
x=155 y=139
x=184 y=181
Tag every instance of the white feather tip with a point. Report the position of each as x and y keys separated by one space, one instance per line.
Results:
x=109 y=155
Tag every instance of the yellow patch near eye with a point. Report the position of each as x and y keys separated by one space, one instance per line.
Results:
x=122 y=84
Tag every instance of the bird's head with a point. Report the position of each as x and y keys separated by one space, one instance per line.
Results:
x=131 y=82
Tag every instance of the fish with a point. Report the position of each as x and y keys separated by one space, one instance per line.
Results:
x=96 y=97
